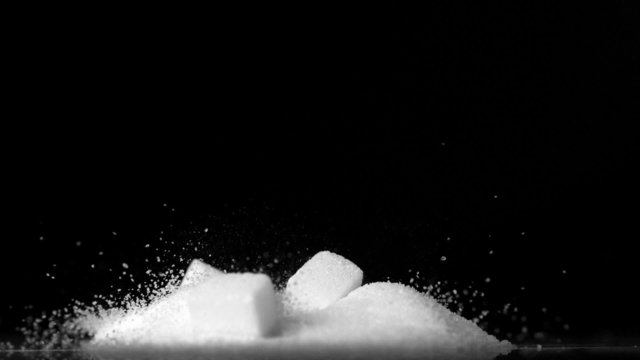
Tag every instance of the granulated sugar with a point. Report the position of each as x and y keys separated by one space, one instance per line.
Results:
x=240 y=315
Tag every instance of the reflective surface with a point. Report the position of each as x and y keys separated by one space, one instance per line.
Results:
x=524 y=353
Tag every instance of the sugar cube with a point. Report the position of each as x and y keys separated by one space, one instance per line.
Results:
x=241 y=305
x=320 y=282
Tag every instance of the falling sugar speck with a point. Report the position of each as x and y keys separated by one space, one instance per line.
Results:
x=487 y=280
x=443 y=258
x=78 y=243
x=125 y=265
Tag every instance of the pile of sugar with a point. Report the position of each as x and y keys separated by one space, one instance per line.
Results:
x=323 y=311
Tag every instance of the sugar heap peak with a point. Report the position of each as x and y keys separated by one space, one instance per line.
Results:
x=197 y=272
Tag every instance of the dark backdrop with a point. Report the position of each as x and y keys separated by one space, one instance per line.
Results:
x=496 y=136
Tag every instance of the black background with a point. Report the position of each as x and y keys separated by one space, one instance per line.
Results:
x=377 y=133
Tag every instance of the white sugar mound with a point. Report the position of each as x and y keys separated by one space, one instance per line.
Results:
x=165 y=320
x=392 y=314
x=324 y=312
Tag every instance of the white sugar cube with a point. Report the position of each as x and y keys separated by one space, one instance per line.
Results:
x=233 y=306
x=320 y=282
x=197 y=272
